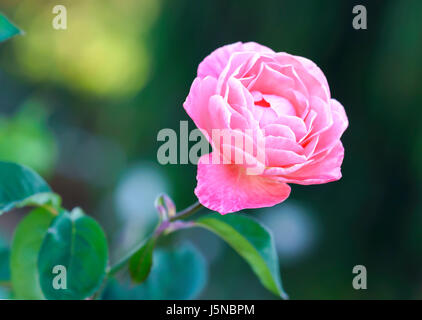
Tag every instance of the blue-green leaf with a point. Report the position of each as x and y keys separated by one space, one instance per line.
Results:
x=141 y=262
x=253 y=242
x=179 y=274
x=21 y=186
x=26 y=245
x=7 y=29
x=77 y=243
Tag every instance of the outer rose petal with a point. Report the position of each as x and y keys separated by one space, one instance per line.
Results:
x=324 y=170
x=309 y=73
x=227 y=188
x=214 y=64
x=196 y=103
x=314 y=70
x=330 y=137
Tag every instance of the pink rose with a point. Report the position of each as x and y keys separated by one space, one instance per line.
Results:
x=273 y=98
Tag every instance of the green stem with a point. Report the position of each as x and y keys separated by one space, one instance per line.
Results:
x=164 y=225
x=187 y=212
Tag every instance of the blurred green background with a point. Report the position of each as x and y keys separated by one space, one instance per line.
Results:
x=83 y=107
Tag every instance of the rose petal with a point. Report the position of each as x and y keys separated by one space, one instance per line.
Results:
x=214 y=63
x=308 y=72
x=219 y=113
x=227 y=188
x=282 y=158
x=196 y=104
x=240 y=100
x=323 y=170
x=270 y=81
x=299 y=101
x=310 y=147
x=323 y=119
x=296 y=124
x=314 y=70
x=279 y=130
x=330 y=137
x=280 y=105
x=282 y=143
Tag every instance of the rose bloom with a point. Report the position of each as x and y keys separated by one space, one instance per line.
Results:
x=273 y=98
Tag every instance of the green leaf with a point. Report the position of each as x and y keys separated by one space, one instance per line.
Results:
x=21 y=186
x=76 y=242
x=47 y=200
x=7 y=29
x=141 y=262
x=253 y=242
x=26 y=245
x=177 y=274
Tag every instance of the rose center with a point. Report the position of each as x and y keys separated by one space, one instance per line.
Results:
x=262 y=103
x=260 y=100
